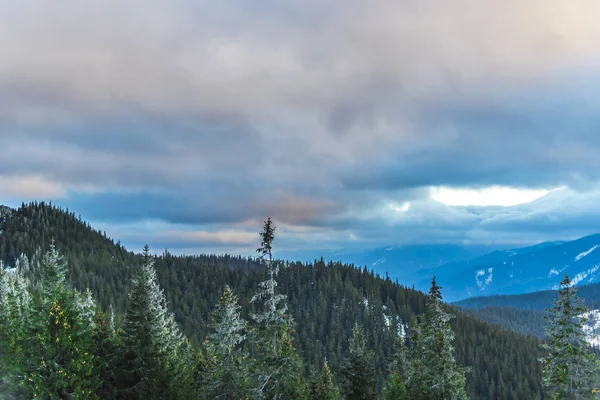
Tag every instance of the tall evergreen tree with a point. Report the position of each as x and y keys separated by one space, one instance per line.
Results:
x=227 y=375
x=359 y=372
x=16 y=319
x=571 y=370
x=435 y=373
x=155 y=355
x=63 y=327
x=280 y=367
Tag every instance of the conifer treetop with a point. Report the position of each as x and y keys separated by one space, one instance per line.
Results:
x=267 y=235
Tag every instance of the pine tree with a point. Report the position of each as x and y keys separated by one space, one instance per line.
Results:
x=435 y=372
x=322 y=386
x=155 y=352
x=227 y=374
x=53 y=270
x=16 y=318
x=571 y=370
x=395 y=389
x=359 y=372
x=106 y=350
x=280 y=368
x=401 y=372
x=63 y=327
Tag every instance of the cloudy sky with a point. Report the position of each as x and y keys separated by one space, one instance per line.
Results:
x=353 y=123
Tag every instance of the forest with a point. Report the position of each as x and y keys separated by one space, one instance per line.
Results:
x=83 y=317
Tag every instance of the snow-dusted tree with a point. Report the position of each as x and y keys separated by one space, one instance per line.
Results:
x=67 y=366
x=435 y=373
x=322 y=386
x=571 y=370
x=63 y=327
x=279 y=370
x=155 y=351
x=16 y=316
x=359 y=371
x=226 y=375
x=53 y=272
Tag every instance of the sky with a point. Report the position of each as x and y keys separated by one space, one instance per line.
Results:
x=183 y=124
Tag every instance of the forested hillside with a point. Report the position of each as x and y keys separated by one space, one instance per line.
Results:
x=525 y=322
x=326 y=300
x=538 y=301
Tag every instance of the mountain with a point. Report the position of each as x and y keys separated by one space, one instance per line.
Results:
x=526 y=313
x=407 y=263
x=521 y=270
x=537 y=301
x=325 y=298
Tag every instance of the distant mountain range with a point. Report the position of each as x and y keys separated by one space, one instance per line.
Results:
x=523 y=270
x=468 y=271
x=407 y=263
x=526 y=313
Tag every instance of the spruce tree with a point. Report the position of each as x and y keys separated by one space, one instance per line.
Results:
x=571 y=370
x=155 y=352
x=63 y=327
x=401 y=371
x=279 y=367
x=53 y=271
x=226 y=376
x=359 y=372
x=16 y=319
x=435 y=373
x=322 y=386
x=395 y=388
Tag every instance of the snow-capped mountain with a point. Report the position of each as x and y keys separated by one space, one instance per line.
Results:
x=523 y=270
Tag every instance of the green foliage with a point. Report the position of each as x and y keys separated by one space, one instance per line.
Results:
x=526 y=322
x=571 y=370
x=227 y=375
x=395 y=389
x=153 y=365
x=322 y=386
x=66 y=359
x=435 y=373
x=359 y=373
x=278 y=365
x=47 y=341
x=324 y=299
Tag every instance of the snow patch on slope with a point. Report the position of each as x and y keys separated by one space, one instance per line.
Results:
x=379 y=261
x=481 y=278
x=592 y=327
x=585 y=253
x=583 y=275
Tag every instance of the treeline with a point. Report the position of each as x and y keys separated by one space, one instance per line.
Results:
x=326 y=301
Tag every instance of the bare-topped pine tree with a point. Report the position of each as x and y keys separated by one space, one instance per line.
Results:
x=279 y=373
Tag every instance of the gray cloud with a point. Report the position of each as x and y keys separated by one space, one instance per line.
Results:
x=320 y=113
